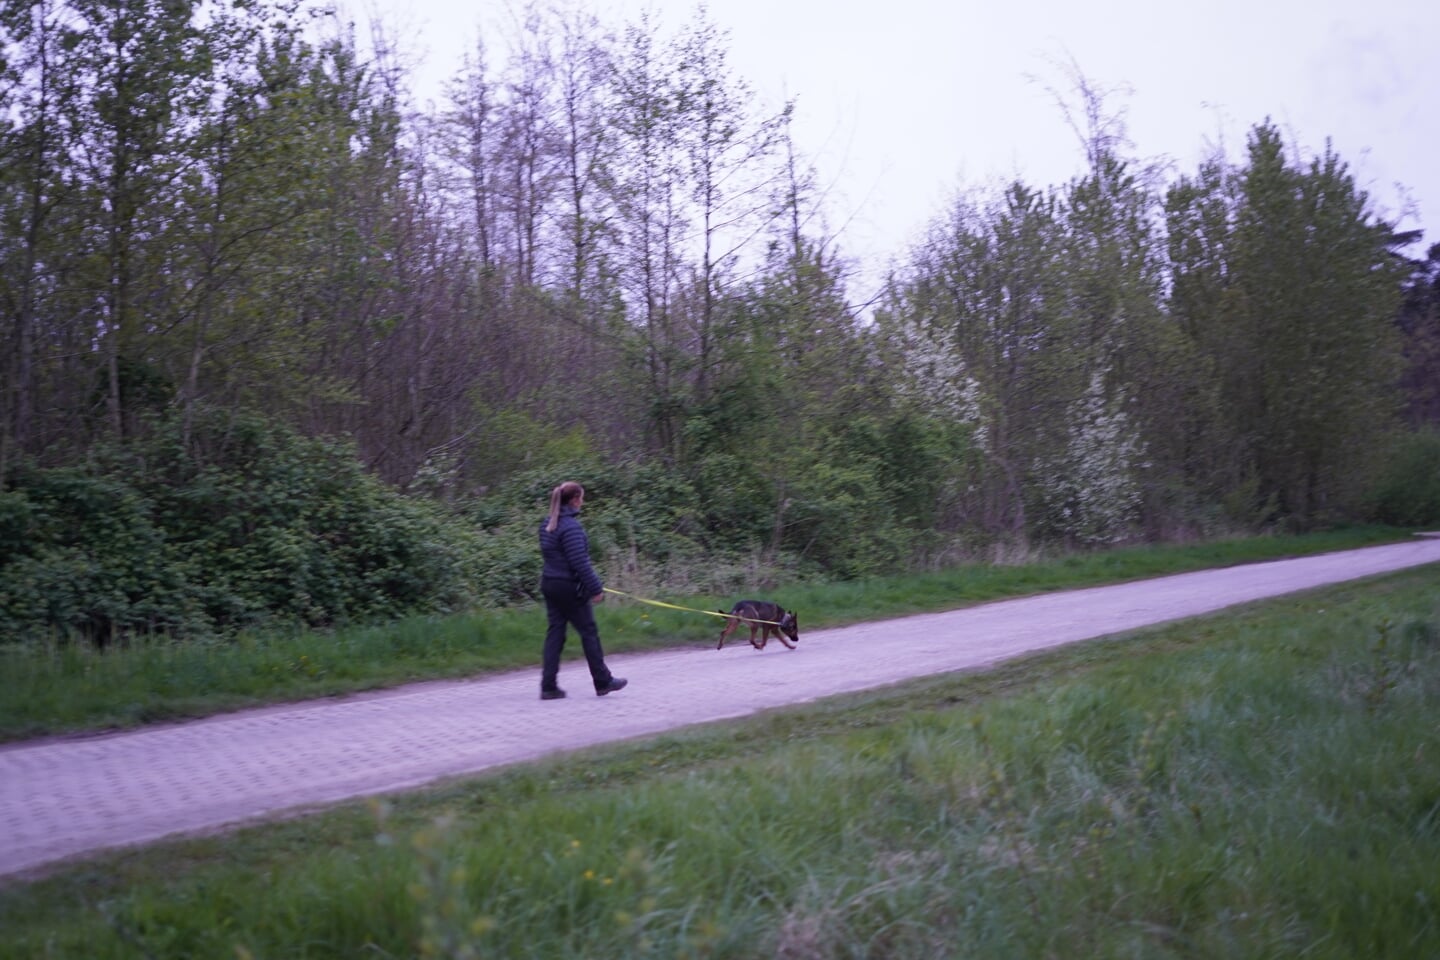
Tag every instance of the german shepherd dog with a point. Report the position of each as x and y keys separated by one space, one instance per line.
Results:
x=779 y=621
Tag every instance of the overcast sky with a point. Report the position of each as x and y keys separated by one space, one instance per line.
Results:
x=902 y=103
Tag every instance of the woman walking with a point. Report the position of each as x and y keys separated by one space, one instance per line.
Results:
x=570 y=586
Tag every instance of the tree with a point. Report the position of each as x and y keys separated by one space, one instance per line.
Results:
x=1195 y=446
x=471 y=120
x=36 y=183
x=1293 y=305
x=1419 y=324
x=726 y=156
x=587 y=156
x=242 y=200
x=146 y=65
x=975 y=323
x=650 y=204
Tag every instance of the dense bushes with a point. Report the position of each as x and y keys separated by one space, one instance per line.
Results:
x=239 y=524
x=1408 y=491
x=80 y=553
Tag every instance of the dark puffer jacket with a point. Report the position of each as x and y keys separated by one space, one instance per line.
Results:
x=566 y=553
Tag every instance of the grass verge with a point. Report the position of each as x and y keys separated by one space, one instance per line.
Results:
x=1255 y=784
x=65 y=687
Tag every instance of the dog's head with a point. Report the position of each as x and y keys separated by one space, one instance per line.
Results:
x=790 y=626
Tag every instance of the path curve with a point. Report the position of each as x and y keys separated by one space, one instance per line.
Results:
x=66 y=798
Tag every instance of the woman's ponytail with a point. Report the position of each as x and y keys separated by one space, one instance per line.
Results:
x=559 y=497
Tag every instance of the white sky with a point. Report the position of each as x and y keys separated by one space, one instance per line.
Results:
x=901 y=103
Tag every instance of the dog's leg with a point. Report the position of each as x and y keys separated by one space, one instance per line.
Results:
x=729 y=626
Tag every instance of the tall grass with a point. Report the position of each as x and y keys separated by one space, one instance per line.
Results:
x=61 y=687
x=1259 y=784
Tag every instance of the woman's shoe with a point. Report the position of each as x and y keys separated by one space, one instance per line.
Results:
x=616 y=683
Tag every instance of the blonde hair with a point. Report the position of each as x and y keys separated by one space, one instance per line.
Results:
x=559 y=497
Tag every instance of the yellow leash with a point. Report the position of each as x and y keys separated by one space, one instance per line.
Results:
x=671 y=606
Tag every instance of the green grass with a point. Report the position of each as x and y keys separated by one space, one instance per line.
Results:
x=63 y=687
x=1261 y=783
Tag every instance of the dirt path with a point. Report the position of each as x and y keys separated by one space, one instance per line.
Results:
x=66 y=798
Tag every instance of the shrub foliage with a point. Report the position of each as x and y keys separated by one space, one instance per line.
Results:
x=241 y=524
x=234 y=523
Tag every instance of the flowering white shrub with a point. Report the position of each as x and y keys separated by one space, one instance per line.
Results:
x=936 y=379
x=1092 y=491
x=935 y=376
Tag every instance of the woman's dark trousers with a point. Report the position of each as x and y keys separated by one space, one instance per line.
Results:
x=564 y=606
